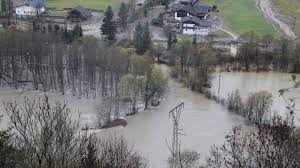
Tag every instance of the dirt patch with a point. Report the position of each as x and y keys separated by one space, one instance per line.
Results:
x=91 y=27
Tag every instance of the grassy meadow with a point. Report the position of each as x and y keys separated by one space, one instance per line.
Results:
x=290 y=8
x=99 y=5
x=242 y=16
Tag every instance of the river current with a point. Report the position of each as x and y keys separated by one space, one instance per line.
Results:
x=203 y=121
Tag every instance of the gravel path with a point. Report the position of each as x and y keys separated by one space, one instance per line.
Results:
x=235 y=37
x=266 y=7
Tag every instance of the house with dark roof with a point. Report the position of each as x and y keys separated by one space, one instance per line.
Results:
x=190 y=8
x=192 y=25
x=79 y=14
x=30 y=8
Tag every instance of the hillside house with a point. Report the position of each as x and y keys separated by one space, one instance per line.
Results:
x=185 y=8
x=30 y=8
x=192 y=25
x=79 y=14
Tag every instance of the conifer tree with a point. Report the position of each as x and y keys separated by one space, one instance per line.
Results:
x=138 y=44
x=77 y=32
x=123 y=15
x=170 y=42
x=142 y=39
x=108 y=27
x=6 y=7
x=146 y=37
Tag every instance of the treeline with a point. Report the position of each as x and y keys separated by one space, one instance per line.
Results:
x=267 y=53
x=193 y=64
x=83 y=68
x=43 y=135
x=256 y=109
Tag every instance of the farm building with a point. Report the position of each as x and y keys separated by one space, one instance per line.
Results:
x=79 y=14
x=192 y=25
x=184 y=9
x=30 y=8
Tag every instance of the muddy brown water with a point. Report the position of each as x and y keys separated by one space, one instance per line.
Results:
x=203 y=121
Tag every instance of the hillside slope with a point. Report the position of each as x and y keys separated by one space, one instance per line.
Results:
x=242 y=15
x=290 y=8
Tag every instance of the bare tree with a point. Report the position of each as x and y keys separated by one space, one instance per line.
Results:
x=45 y=132
x=116 y=153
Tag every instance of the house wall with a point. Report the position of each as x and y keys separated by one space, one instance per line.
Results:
x=42 y=10
x=179 y=18
x=233 y=49
x=191 y=29
x=25 y=11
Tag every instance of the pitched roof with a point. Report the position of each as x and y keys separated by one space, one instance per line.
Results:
x=201 y=8
x=195 y=9
x=182 y=7
x=84 y=12
x=197 y=21
x=34 y=3
x=17 y=2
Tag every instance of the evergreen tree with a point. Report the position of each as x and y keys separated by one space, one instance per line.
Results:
x=165 y=3
x=138 y=39
x=6 y=7
x=77 y=32
x=195 y=39
x=175 y=39
x=2 y=7
x=142 y=39
x=108 y=27
x=123 y=15
x=146 y=37
x=170 y=41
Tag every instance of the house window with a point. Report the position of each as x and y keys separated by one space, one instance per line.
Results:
x=181 y=14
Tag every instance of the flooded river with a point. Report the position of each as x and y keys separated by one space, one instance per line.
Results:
x=203 y=121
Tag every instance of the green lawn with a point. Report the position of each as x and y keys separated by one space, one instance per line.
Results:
x=290 y=8
x=242 y=16
x=57 y=13
x=99 y=5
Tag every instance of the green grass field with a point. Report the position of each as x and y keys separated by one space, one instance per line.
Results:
x=290 y=8
x=242 y=16
x=99 y=5
x=57 y=13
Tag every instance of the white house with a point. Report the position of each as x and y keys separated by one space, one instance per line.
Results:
x=192 y=25
x=30 y=8
x=233 y=48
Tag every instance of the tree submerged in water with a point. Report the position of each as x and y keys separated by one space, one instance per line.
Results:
x=274 y=143
x=46 y=136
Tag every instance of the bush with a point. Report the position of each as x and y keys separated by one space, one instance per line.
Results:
x=258 y=106
x=234 y=102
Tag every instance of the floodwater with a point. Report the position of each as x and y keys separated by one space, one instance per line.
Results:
x=252 y=82
x=203 y=121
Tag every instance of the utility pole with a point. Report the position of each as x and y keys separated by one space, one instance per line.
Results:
x=175 y=150
x=219 y=82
